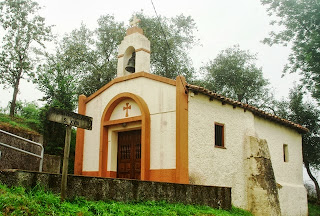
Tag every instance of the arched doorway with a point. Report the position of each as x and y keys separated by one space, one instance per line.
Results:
x=114 y=125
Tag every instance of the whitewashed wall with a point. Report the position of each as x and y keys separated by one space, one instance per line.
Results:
x=209 y=165
x=292 y=194
x=161 y=101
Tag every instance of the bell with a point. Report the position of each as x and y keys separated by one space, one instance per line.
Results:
x=131 y=63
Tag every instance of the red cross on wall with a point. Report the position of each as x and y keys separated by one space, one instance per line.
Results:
x=126 y=108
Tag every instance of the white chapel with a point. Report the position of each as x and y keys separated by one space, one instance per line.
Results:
x=152 y=128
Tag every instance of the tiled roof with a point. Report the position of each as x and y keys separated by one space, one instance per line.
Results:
x=254 y=110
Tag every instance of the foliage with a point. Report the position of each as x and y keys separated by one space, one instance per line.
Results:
x=169 y=56
x=234 y=74
x=27 y=117
x=23 y=27
x=93 y=54
x=314 y=209
x=300 y=27
x=57 y=82
x=19 y=201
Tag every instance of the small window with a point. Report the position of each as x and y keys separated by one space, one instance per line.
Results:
x=218 y=135
x=285 y=153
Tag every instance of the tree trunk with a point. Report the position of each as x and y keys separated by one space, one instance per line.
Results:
x=14 y=98
x=314 y=181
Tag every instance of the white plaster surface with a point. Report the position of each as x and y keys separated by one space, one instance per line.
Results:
x=289 y=175
x=163 y=139
x=161 y=101
x=119 y=112
x=129 y=44
x=209 y=165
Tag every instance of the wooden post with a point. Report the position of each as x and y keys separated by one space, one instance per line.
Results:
x=65 y=163
x=69 y=119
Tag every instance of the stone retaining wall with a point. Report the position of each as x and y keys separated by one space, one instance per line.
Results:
x=13 y=159
x=94 y=188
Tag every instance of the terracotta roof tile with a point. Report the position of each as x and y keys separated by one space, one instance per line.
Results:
x=253 y=109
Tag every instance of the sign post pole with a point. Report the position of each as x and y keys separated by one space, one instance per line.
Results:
x=69 y=119
x=65 y=162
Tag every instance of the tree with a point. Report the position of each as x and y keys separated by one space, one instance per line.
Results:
x=23 y=27
x=171 y=39
x=307 y=115
x=93 y=54
x=300 y=27
x=59 y=84
x=234 y=74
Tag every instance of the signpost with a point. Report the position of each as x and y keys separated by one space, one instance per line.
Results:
x=69 y=119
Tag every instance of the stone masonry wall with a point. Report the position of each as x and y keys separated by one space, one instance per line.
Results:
x=95 y=188
x=13 y=159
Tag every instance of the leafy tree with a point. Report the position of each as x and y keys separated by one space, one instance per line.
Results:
x=23 y=27
x=301 y=29
x=171 y=39
x=93 y=54
x=307 y=115
x=58 y=81
x=234 y=74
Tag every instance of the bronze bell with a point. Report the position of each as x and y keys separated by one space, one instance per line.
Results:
x=131 y=63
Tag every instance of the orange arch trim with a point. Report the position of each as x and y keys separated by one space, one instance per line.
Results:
x=145 y=133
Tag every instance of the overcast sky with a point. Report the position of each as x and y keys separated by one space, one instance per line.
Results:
x=221 y=24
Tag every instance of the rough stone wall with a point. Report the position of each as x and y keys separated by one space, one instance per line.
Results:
x=263 y=198
x=12 y=159
x=51 y=163
x=95 y=188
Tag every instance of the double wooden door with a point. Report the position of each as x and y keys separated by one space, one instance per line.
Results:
x=129 y=154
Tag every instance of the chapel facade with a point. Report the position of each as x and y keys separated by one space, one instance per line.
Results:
x=149 y=127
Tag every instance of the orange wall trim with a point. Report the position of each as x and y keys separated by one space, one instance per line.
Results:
x=163 y=175
x=91 y=173
x=129 y=77
x=112 y=174
x=182 y=172
x=120 y=121
x=145 y=133
x=78 y=160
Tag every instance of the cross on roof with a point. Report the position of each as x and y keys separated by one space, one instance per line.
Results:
x=135 y=21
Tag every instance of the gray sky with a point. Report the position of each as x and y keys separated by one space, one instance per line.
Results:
x=221 y=24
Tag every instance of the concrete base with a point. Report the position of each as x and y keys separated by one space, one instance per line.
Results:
x=94 y=188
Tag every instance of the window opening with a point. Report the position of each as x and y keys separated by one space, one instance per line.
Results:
x=219 y=135
x=285 y=153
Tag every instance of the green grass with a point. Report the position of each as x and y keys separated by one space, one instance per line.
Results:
x=314 y=210
x=19 y=201
x=19 y=124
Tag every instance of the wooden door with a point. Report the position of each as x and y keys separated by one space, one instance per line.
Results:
x=129 y=154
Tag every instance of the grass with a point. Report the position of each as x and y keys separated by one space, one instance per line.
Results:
x=19 y=201
x=18 y=124
x=314 y=209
